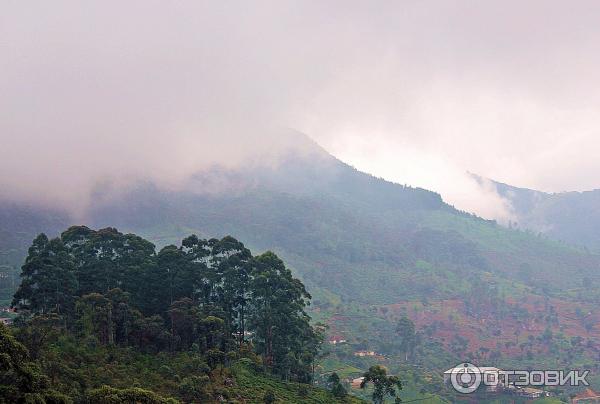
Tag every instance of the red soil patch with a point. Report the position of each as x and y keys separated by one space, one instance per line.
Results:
x=487 y=328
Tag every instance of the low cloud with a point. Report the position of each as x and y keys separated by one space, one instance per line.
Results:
x=416 y=92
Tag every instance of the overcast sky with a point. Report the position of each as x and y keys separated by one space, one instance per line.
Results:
x=418 y=92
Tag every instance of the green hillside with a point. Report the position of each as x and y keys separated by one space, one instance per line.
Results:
x=155 y=379
x=104 y=318
x=354 y=233
x=335 y=226
x=371 y=252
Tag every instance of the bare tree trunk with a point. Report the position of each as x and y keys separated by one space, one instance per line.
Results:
x=269 y=356
x=111 y=337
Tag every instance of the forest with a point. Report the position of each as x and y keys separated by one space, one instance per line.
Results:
x=104 y=318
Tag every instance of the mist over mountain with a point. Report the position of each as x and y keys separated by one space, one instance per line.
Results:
x=573 y=217
x=198 y=246
x=368 y=250
x=343 y=231
x=202 y=88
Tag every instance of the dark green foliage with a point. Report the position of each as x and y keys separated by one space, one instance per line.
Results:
x=48 y=278
x=337 y=389
x=19 y=224
x=105 y=289
x=408 y=339
x=194 y=388
x=255 y=385
x=109 y=395
x=282 y=331
x=383 y=384
x=303 y=391
x=37 y=332
x=20 y=379
x=269 y=397
x=108 y=259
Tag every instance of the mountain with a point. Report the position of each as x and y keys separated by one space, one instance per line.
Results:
x=573 y=217
x=19 y=224
x=343 y=231
x=365 y=238
x=370 y=252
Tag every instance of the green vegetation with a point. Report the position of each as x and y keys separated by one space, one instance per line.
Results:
x=337 y=389
x=104 y=318
x=372 y=254
x=253 y=387
x=21 y=380
x=383 y=385
x=343 y=232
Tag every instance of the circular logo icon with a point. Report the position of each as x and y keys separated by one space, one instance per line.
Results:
x=465 y=378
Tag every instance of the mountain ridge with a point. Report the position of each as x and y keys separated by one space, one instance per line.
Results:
x=572 y=216
x=342 y=230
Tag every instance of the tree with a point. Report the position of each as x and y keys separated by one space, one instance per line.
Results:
x=107 y=259
x=336 y=387
x=212 y=332
x=383 y=384
x=94 y=313
x=149 y=333
x=194 y=388
x=121 y=315
x=175 y=268
x=269 y=397
x=283 y=335
x=199 y=254
x=36 y=332
x=184 y=315
x=111 y=288
x=22 y=381
x=233 y=265
x=110 y=395
x=48 y=280
x=405 y=330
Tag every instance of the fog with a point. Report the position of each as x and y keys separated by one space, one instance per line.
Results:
x=418 y=92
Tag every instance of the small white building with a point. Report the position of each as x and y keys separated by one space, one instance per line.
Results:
x=336 y=339
x=529 y=392
x=365 y=353
x=357 y=382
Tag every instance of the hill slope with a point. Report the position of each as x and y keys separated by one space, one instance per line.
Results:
x=570 y=216
x=369 y=251
x=343 y=231
x=352 y=232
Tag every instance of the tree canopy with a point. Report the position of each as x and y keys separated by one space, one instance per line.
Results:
x=206 y=294
x=383 y=384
